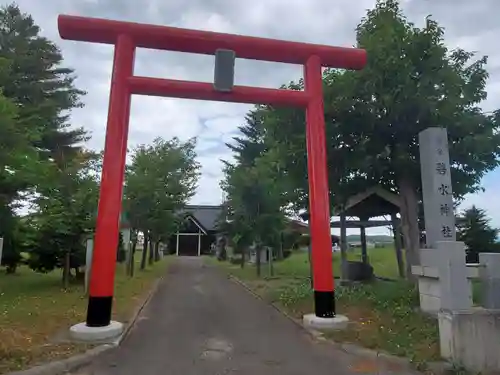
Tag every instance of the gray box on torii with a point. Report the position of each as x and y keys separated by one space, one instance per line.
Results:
x=224 y=70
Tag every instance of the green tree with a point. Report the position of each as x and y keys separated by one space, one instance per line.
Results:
x=475 y=231
x=160 y=181
x=65 y=214
x=37 y=83
x=411 y=82
x=17 y=167
x=37 y=94
x=254 y=201
x=250 y=144
x=9 y=143
x=235 y=224
x=235 y=227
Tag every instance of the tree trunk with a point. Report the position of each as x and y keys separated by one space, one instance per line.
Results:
x=270 y=255
x=364 y=249
x=343 y=247
x=409 y=216
x=66 y=270
x=151 y=257
x=280 y=249
x=157 y=251
x=144 y=251
x=258 y=249
x=79 y=275
x=243 y=256
x=396 y=227
x=309 y=254
x=132 y=258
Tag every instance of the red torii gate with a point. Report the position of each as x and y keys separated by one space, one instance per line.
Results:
x=126 y=37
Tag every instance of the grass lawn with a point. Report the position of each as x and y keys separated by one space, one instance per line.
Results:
x=382 y=314
x=34 y=307
x=383 y=261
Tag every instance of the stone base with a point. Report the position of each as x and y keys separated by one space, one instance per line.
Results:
x=82 y=332
x=470 y=338
x=311 y=321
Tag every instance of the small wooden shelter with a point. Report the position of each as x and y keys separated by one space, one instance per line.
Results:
x=373 y=202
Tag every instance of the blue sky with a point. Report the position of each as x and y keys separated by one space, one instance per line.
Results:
x=470 y=25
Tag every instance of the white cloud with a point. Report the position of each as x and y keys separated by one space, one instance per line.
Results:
x=471 y=25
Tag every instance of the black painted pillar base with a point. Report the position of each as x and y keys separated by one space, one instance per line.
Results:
x=99 y=311
x=324 y=304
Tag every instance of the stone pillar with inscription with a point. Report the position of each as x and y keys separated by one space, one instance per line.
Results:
x=436 y=186
x=467 y=336
x=443 y=280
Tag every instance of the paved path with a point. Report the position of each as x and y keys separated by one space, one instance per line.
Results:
x=201 y=323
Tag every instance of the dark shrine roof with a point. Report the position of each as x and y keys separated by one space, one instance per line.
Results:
x=371 y=203
x=206 y=215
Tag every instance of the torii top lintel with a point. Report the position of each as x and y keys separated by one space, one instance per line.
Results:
x=205 y=42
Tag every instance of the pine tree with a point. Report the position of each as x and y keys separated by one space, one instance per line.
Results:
x=475 y=231
x=250 y=145
x=14 y=155
x=37 y=83
x=36 y=133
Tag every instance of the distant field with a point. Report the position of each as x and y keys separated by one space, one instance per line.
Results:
x=374 y=238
